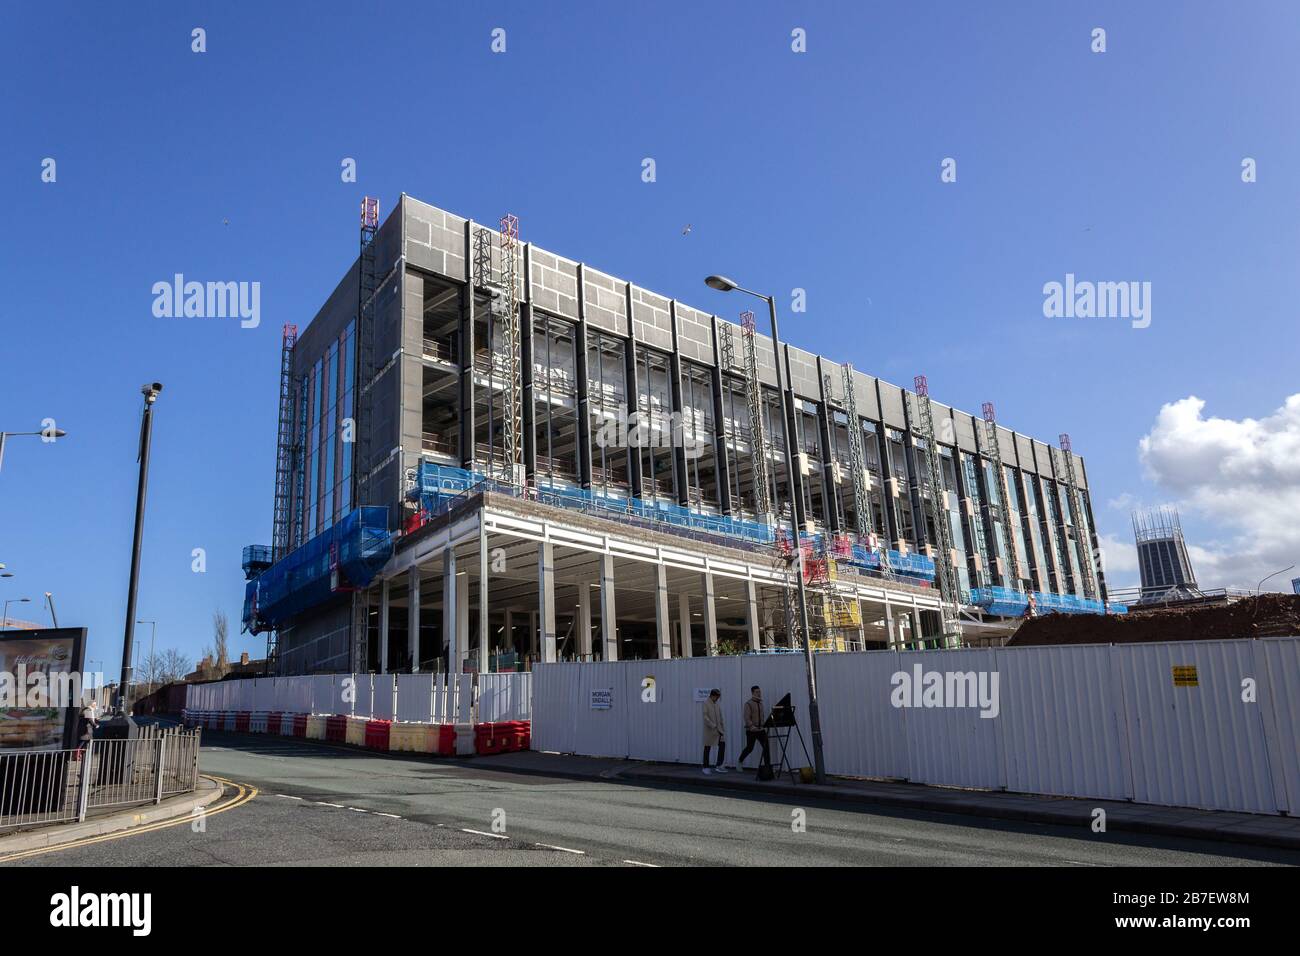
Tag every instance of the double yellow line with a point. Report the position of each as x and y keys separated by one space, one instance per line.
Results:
x=243 y=794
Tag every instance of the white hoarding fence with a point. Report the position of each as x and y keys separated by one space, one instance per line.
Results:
x=504 y=696
x=1208 y=724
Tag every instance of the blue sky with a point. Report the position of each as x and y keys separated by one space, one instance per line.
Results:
x=817 y=170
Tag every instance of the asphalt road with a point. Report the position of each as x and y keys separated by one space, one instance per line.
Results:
x=324 y=805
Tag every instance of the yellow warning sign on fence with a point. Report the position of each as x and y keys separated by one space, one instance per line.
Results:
x=1185 y=675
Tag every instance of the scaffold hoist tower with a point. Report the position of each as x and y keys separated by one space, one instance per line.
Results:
x=994 y=450
x=284 y=446
x=503 y=327
x=367 y=286
x=945 y=574
x=857 y=461
x=758 y=444
x=1080 y=525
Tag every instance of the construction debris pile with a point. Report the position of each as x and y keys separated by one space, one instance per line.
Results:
x=1267 y=615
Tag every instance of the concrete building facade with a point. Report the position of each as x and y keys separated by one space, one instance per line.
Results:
x=498 y=574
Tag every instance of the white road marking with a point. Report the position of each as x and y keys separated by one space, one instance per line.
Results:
x=358 y=810
x=639 y=863
x=285 y=796
x=335 y=805
x=563 y=849
x=1081 y=863
x=495 y=836
x=393 y=815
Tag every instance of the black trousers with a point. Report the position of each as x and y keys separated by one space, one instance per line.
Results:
x=722 y=749
x=755 y=737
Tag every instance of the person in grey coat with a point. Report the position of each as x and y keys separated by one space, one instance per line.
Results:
x=715 y=731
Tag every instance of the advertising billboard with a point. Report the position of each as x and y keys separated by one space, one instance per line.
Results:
x=41 y=673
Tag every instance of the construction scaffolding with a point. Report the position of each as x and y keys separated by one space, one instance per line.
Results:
x=1080 y=523
x=993 y=450
x=857 y=461
x=932 y=477
x=504 y=347
x=834 y=613
x=367 y=286
x=760 y=450
x=284 y=446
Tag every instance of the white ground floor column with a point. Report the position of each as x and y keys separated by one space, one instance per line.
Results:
x=608 y=616
x=383 y=626
x=751 y=615
x=663 y=626
x=584 y=621
x=413 y=619
x=546 y=598
x=710 y=617
x=684 y=623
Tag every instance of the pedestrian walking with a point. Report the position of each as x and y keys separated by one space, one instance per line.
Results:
x=755 y=732
x=715 y=731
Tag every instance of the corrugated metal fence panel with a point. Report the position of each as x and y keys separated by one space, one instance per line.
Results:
x=415 y=697
x=777 y=675
x=668 y=725
x=325 y=698
x=382 y=704
x=863 y=732
x=1195 y=746
x=297 y=697
x=363 y=690
x=951 y=746
x=562 y=716
x=1061 y=721
x=504 y=696
x=442 y=699
x=1278 y=670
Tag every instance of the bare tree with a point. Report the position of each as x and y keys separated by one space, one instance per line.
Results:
x=220 y=639
x=173 y=666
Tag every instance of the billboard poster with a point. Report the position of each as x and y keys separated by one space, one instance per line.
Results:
x=41 y=674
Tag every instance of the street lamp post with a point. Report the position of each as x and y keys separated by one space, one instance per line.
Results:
x=150 y=393
x=149 y=661
x=49 y=433
x=6 y=610
x=723 y=284
x=1259 y=586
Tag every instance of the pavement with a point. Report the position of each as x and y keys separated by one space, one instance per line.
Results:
x=1248 y=828
x=101 y=824
x=322 y=804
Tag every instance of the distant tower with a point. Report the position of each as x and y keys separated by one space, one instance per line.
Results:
x=1162 y=553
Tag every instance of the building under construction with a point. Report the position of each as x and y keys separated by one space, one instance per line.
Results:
x=489 y=454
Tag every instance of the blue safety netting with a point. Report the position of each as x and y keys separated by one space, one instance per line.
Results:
x=1007 y=602
x=345 y=556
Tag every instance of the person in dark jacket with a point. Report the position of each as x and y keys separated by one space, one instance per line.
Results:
x=755 y=733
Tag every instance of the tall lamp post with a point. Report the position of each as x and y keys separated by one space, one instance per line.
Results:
x=1260 y=585
x=149 y=661
x=150 y=393
x=48 y=434
x=723 y=284
x=12 y=601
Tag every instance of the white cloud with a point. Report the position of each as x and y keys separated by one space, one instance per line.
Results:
x=1119 y=561
x=1241 y=477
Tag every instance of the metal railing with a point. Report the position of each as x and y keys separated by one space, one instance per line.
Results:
x=40 y=787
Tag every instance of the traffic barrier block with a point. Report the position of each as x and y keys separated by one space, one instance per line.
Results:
x=377 y=734
x=258 y=722
x=316 y=727
x=445 y=740
x=286 y=725
x=241 y=721
x=465 y=740
x=355 y=730
x=413 y=738
x=299 y=728
x=229 y=720
x=336 y=728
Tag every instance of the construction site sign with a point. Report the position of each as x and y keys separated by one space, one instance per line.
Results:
x=1185 y=675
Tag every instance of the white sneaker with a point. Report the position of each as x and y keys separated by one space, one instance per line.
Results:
x=706 y=770
x=719 y=769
